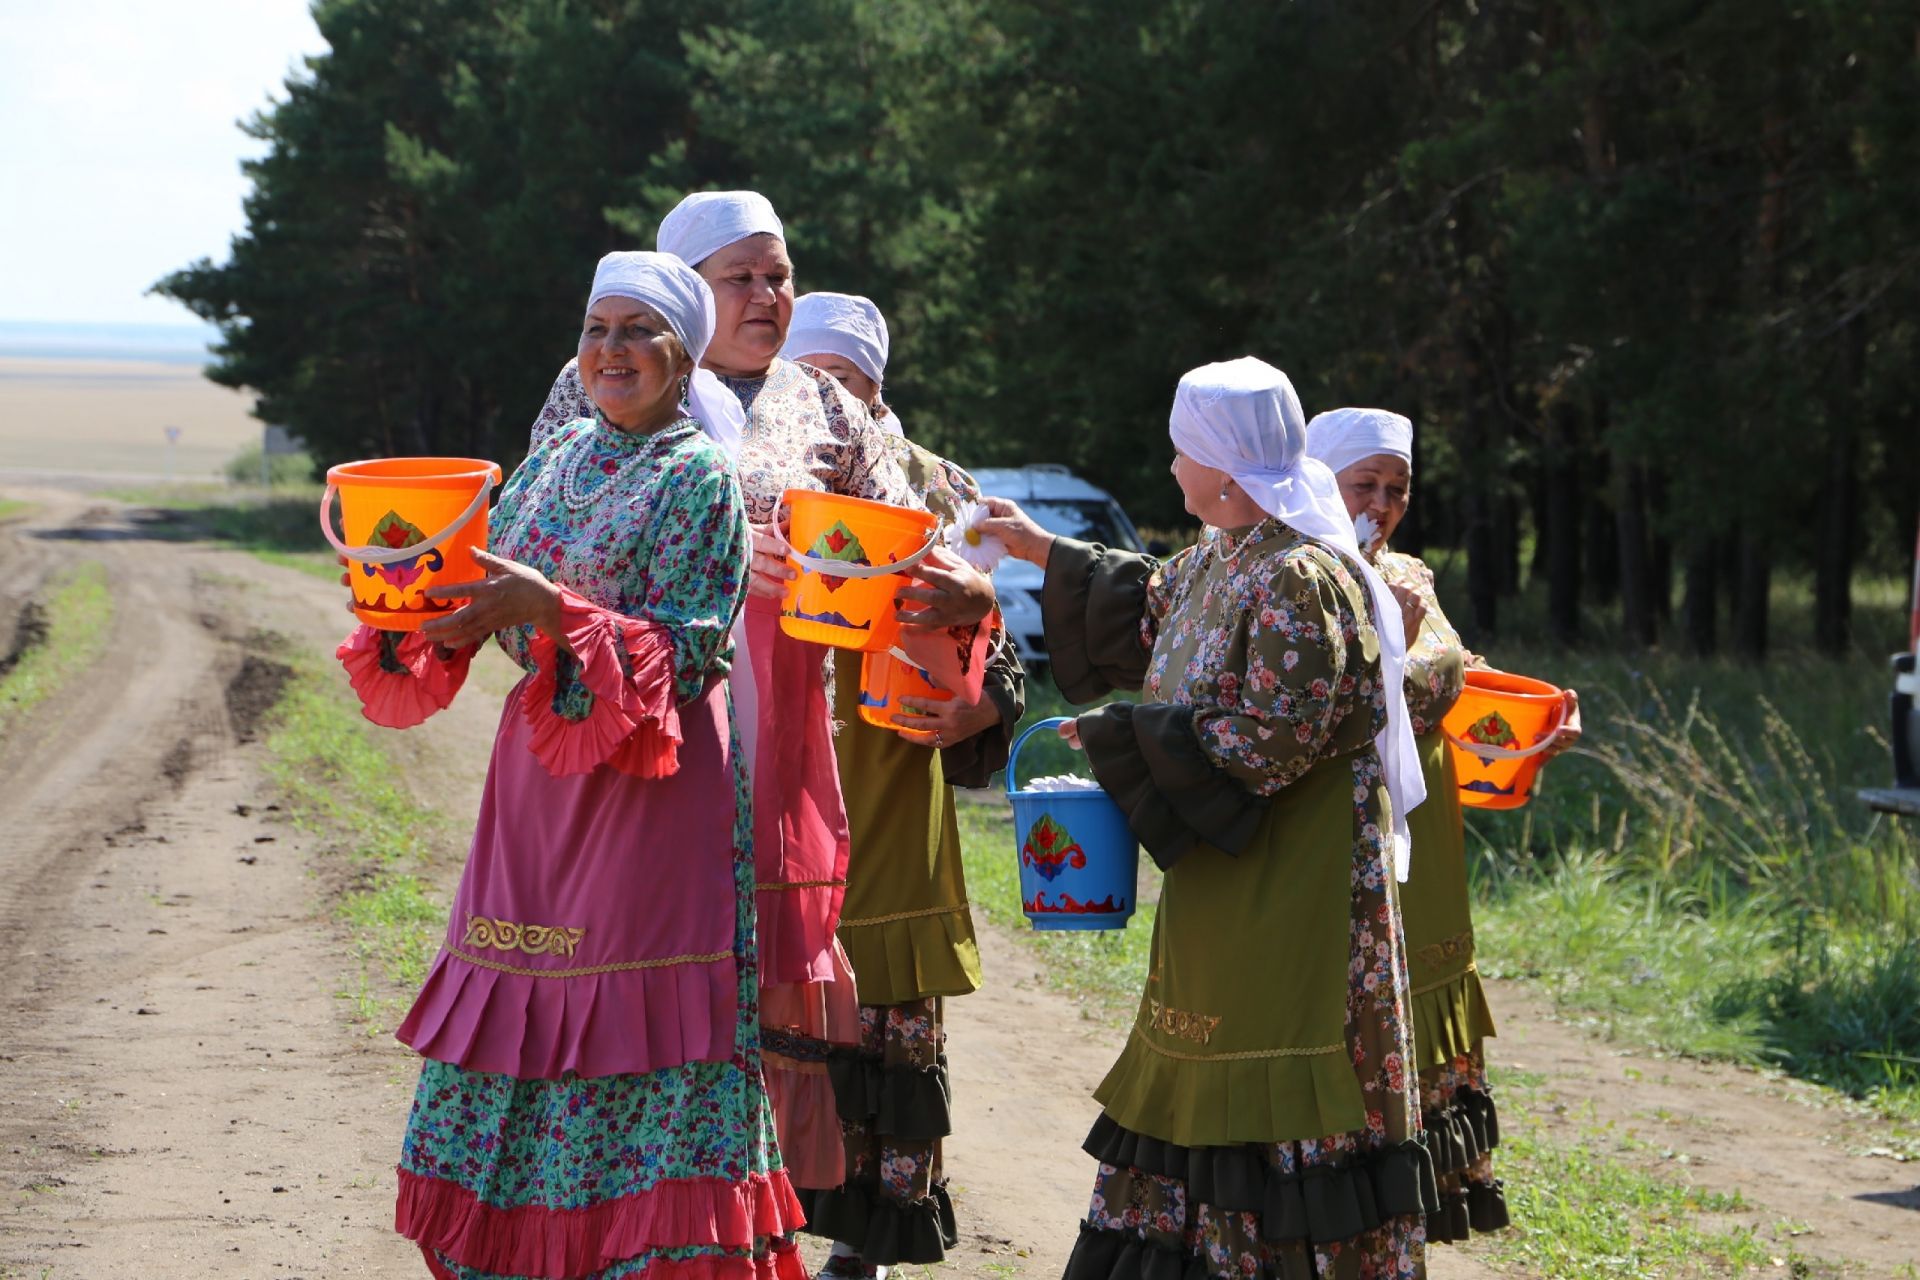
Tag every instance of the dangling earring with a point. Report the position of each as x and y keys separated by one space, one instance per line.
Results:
x=1223 y=491
x=686 y=380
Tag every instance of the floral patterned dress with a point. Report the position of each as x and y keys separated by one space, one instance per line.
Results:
x=1450 y=1012
x=908 y=930
x=803 y=431
x=1261 y=1119
x=591 y=1102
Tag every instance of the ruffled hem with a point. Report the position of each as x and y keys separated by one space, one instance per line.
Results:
x=628 y=1022
x=906 y=1102
x=1460 y=1133
x=824 y=1009
x=886 y=1232
x=781 y=1262
x=1477 y=1207
x=1320 y=1204
x=1216 y=1102
x=800 y=1094
x=922 y=956
x=1450 y=1020
x=796 y=934
x=532 y=1240
x=401 y=677
x=627 y=667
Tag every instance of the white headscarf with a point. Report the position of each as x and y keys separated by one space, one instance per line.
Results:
x=676 y=291
x=1243 y=418
x=840 y=324
x=1342 y=437
x=708 y=221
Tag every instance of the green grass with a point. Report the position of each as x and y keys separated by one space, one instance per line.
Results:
x=13 y=508
x=340 y=783
x=58 y=640
x=281 y=528
x=1580 y=1211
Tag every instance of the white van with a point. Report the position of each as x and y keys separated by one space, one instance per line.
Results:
x=1903 y=797
x=1061 y=503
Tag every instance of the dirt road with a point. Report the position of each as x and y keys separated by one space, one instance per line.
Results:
x=185 y=1096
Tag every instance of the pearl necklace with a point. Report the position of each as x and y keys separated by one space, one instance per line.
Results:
x=574 y=493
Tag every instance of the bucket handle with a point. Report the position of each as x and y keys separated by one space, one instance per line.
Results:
x=1013 y=756
x=841 y=569
x=390 y=555
x=1502 y=753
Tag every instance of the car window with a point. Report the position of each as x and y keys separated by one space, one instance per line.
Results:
x=1089 y=521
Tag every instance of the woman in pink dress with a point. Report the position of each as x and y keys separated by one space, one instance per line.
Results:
x=591 y=1101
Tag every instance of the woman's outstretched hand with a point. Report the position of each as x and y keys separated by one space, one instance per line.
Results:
x=1070 y=734
x=951 y=593
x=511 y=595
x=1018 y=531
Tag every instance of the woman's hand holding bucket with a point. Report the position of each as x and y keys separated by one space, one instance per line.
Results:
x=770 y=571
x=1070 y=734
x=1568 y=734
x=941 y=722
x=511 y=595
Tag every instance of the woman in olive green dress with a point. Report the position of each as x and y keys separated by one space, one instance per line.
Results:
x=1370 y=452
x=1261 y=1119
x=905 y=923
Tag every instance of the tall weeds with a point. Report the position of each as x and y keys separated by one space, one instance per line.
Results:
x=1708 y=880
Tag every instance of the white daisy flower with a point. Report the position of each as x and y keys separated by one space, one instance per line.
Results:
x=1366 y=531
x=964 y=539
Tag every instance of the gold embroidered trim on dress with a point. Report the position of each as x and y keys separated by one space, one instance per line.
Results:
x=490 y=934
x=799 y=884
x=906 y=915
x=1460 y=944
x=1247 y=1055
x=622 y=967
x=1445 y=982
x=1197 y=1027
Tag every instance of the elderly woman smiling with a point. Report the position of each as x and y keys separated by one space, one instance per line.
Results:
x=1370 y=452
x=1261 y=1119
x=802 y=430
x=591 y=1099
x=908 y=928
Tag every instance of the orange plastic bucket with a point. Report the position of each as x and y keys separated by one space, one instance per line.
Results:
x=850 y=553
x=408 y=523
x=887 y=677
x=1496 y=732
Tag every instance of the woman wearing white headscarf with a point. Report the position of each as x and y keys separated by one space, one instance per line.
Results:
x=1370 y=452
x=907 y=926
x=802 y=430
x=1261 y=1119
x=591 y=1100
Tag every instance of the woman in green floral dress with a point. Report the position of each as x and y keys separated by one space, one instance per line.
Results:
x=1261 y=1119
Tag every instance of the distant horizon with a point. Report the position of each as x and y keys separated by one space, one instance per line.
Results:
x=152 y=341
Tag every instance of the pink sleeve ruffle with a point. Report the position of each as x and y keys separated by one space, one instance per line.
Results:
x=401 y=676
x=633 y=722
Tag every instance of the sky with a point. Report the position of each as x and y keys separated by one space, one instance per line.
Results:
x=119 y=144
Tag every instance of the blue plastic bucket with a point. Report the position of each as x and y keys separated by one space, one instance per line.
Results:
x=1079 y=864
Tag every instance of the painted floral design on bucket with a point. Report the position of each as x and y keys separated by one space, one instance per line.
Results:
x=395 y=531
x=1492 y=730
x=838 y=543
x=1050 y=848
